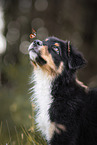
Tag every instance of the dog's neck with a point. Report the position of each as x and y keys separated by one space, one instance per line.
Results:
x=44 y=83
x=45 y=90
x=63 y=83
x=42 y=98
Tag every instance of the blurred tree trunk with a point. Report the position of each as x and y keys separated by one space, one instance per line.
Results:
x=89 y=33
x=90 y=18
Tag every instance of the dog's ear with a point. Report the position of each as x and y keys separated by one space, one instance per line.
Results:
x=76 y=59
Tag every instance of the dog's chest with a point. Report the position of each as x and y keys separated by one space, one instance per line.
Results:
x=43 y=100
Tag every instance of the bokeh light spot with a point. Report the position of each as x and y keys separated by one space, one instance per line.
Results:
x=13 y=24
x=37 y=23
x=42 y=33
x=13 y=35
x=24 y=47
x=13 y=107
x=41 y=5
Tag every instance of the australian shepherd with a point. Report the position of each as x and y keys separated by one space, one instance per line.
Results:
x=66 y=108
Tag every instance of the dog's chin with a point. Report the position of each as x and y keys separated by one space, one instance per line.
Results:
x=33 y=56
x=36 y=59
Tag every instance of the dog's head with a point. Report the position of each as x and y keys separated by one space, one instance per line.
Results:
x=55 y=56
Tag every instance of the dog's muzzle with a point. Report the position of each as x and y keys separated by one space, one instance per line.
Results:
x=34 y=46
x=34 y=49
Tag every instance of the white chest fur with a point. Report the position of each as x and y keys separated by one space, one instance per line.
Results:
x=43 y=100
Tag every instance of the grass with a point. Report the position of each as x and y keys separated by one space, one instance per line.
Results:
x=16 y=112
x=22 y=136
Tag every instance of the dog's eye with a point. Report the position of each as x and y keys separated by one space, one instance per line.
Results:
x=56 y=49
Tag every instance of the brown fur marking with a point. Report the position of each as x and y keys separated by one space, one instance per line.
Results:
x=54 y=127
x=60 y=69
x=62 y=127
x=82 y=84
x=50 y=67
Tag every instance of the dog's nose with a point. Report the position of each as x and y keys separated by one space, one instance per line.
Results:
x=34 y=45
x=37 y=43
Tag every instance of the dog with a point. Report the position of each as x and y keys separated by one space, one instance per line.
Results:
x=66 y=108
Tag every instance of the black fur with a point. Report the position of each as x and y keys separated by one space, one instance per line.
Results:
x=73 y=106
x=77 y=110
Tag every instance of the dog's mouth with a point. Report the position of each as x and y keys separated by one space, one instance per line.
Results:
x=35 y=52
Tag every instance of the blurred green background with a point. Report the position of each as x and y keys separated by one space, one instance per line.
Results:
x=74 y=20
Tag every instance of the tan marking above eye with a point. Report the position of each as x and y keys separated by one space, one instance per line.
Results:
x=56 y=44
